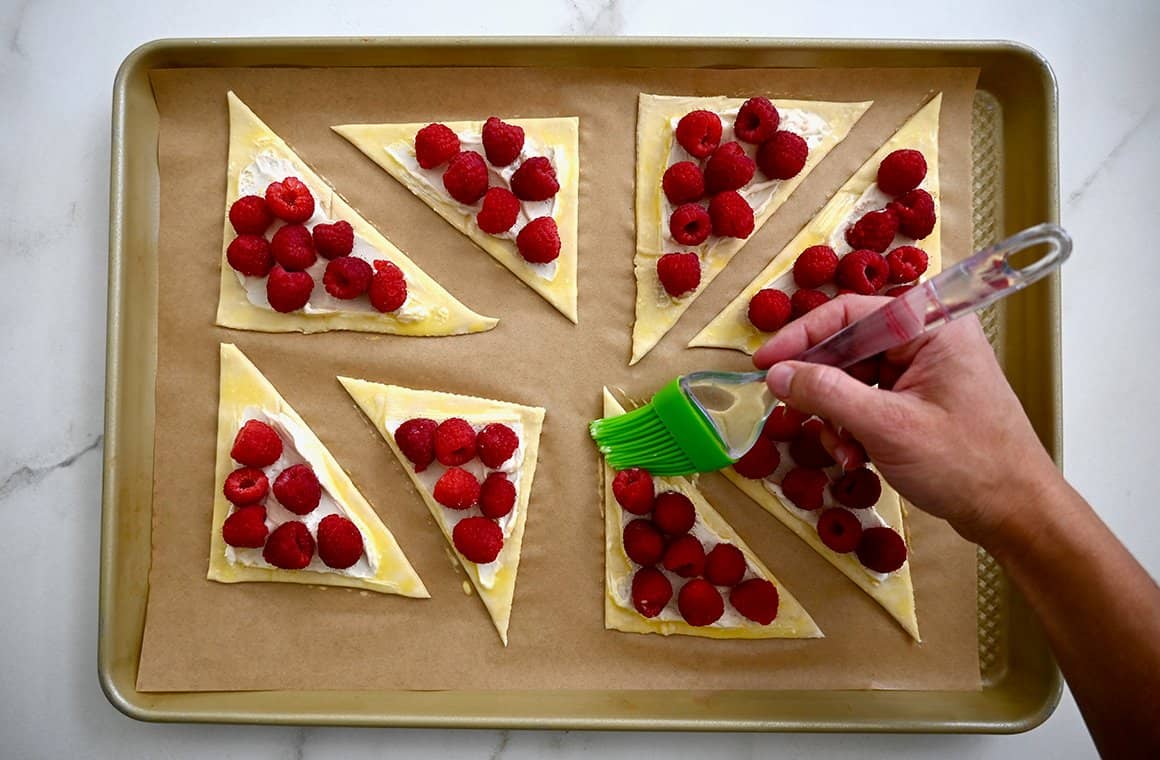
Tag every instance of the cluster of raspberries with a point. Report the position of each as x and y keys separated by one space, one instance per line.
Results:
x=791 y=452
x=290 y=546
x=453 y=443
x=466 y=179
x=659 y=540
x=718 y=172
x=284 y=258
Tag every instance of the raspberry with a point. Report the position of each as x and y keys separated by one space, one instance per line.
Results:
x=916 y=216
x=500 y=210
x=643 y=543
x=683 y=183
x=535 y=180
x=700 y=602
x=685 y=556
x=863 y=271
x=906 y=263
x=731 y=215
x=760 y=461
x=651 y=591
x=857 y=489
x=297 y=488
x=839 y=529
x=679 y=273
x=804 y=301
x=454 y=442
x=246 y=527
x=256 y=445
x=246 y=485
x=502 y=142
x=495 y=444
x=290 y=546
x=250 y=255
x=769 y=309
x=756 y=121
x=478 y=539
x=783 y=156
x=290 y=200
x=674 y=514
x=724 y=565
x=729 y=168
x=699 y=132
x=898 y=290
x=250 y=215
x=633 y=490
x=881 y=550
x=865 y=370
x=756 y=599
x=539 y=240
x=457 y=489
x=288 y=291
x=465 y=177
x=388 y=287
x=875 y=230
x=807 y=450
x=815 y=266
x=416 y=439
x=340 y=544
x=901 y=171
x=804 y=487
x=293 y=247
x=435 y=144
x=347 y=277
x=690 y=224
x=784 y=423
x=333 y=240
x=497 y=495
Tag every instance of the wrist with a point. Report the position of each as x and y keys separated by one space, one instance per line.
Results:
x=1015 y=515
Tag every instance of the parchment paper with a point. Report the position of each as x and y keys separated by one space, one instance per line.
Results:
x=201 y=635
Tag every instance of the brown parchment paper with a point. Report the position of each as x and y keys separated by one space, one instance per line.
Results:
x=201 y=635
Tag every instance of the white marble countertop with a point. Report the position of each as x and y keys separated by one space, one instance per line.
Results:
x=57 y=61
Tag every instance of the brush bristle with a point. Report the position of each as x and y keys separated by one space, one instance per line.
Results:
x=640 y=439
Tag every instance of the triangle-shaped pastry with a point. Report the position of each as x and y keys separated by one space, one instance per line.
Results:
x=710 y=171
x=490 y=180
x=707 y=582
x=911 y=197
x=472 y=460
x=297 y=257
x=284 y=510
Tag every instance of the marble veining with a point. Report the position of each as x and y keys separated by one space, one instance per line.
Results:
x=1146 y=119
x=27 y=475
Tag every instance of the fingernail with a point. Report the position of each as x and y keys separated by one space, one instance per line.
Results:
x=778 y=379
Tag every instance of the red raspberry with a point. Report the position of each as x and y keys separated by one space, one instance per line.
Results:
x=297 y=488
x=731 y=215
x=674 y=514
x=347 y=277
x=246 y=485
x=288 y=291
x=700 y=602
x=651 y=591
x=454 y=442
x=250 y=215
x=388 y=287
x=839 y=529
x=769 y=309
x=495 y=444
x=804 y=301
x=889 y=372
x=901 y=171
x=898 y=290
x=857 y=489
x=685 y=556
x=783 y=156
x=807 y=450
x=340 y=544
x=679 y=273
x=502 y=142
x=906 y=263
x=690 y=224
x=881 y=550
x=865 y=370
x=729 y=168
x=435 y=144
x=724 y=565
x=290 y=200
x=500 y=210
x=497 y=495
x=293 y=247
x=815 y=266
x=760 y=461
x=539 y=240
x=535 y=180
x=863 y=271
x=333 y=240
x=290 y=546
x=875 y=230
x=916 y=216
x=699 y=132
x=756 y=599
x=246 y=527
x=756 y=121
x=784 y=423
x=633 y=490
x=804 y=487
x=416 y=439
x=478 y=539
x=457 y=489
x=465 y=177
x=643 y=542
x=256 y=445
x=250 y=255
x=683 y=183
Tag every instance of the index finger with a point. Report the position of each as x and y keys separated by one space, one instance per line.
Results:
x=812 y=328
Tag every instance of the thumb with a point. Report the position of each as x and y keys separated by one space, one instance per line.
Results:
x=833 y=395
